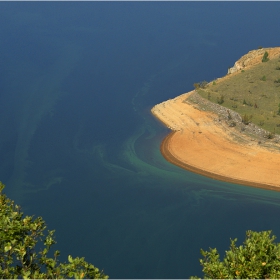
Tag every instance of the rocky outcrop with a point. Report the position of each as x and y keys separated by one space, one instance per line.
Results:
x=232 y=119
x=252 y=58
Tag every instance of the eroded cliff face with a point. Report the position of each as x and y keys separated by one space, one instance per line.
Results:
x=253 y=57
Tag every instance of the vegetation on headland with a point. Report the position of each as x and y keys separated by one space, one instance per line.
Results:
x=257 y=258
x=25 y=248
x=252 y=92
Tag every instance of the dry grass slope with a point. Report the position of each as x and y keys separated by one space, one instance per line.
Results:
x=252 y=89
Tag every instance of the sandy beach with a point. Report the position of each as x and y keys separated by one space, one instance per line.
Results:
x=200 y=143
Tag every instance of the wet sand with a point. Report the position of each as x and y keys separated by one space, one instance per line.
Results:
x=201 y=144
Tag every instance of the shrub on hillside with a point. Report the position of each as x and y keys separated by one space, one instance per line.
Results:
x=265 y=57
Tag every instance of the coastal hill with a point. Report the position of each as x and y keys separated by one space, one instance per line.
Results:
x=212 y=138
x=251 y=88
x=253 y=58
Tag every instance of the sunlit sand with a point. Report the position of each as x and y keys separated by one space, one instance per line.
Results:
x=200 y=143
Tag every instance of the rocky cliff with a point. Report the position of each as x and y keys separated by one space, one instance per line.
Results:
x=252 y=58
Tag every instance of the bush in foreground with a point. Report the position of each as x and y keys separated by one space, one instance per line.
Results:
x=19 y=258
x=257 y=258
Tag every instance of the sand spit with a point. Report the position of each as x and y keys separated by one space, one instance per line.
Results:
x=201 y=143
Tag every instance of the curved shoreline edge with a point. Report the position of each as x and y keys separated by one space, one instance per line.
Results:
x=172 y=159
x=202 y=141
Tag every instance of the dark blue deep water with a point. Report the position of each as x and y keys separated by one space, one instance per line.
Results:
x=79 y=146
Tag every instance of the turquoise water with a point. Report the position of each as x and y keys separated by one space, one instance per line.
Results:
x=80 y=147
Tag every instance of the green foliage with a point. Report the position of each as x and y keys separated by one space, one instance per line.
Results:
x=199 y=85
x=20 y=238
x=229 y=115
x=265 y=57
x=246 y=119
x=221 y=99
x=203 y=84
x=257 y=258
x=270 y=135
x=263 y=78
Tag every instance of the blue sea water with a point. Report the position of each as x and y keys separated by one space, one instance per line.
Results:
x=80 y=147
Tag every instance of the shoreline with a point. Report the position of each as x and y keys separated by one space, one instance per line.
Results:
x=201 y=143
x=172 y=159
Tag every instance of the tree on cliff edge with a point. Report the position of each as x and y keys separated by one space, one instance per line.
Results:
x=257 y=258
x=20 y=238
